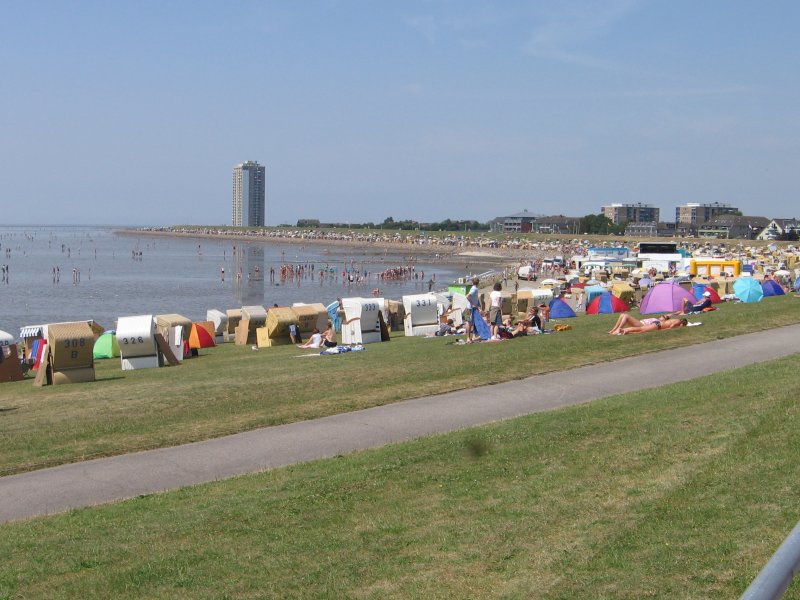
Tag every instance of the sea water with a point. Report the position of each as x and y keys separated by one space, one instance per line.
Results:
x=84 y=272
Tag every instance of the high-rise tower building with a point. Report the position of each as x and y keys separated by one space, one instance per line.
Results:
x=248 y=195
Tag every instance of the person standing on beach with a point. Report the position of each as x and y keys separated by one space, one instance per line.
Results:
x=473 y=297
x=495 y=314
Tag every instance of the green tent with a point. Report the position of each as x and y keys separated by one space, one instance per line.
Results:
x=106 y=345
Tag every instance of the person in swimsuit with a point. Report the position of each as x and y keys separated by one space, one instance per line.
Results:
x=663 y=324
x=329 y=336
x=628 y=320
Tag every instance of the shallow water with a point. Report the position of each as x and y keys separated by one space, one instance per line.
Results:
x=176 y=275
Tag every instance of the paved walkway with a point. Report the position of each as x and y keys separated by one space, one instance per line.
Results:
x=109 y=479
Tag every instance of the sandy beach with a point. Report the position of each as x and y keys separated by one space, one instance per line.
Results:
x=469 y=252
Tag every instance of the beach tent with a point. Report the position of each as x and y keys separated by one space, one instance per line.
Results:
x=772 y=288
x=202 y=335
x=106 y=345
x=797 y=284
x=6 y=339
x=605 y=304
x=665 y=297
x=560 y=309
x=592 y=292
x=699 y=289
x=748 y=289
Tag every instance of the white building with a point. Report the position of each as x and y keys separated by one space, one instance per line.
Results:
x=248 y=208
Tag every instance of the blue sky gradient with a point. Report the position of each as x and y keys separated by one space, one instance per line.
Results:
x=136 y=112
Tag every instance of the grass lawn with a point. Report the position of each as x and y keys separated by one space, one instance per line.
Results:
x=231 y=388
x=678 y=492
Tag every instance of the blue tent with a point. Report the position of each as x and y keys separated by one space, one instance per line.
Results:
x=772 y=288
x=560 y=309
x=797 y=284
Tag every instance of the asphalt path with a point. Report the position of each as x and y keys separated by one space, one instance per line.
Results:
x=116 y=478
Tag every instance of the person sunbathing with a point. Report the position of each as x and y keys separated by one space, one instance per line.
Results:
x=687 y=307
x=628 y=320
x=661 y=324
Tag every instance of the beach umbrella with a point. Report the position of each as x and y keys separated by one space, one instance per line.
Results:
x=645 y=281
x=578 y=285
x=748 y=289
x=560 y=309
x=606 y=303
x=6 y=339
x=665 y=297
x=202 y=335
x=772 y=288
x=106 y=346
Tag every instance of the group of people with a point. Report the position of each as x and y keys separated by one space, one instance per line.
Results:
x=499 y=328
x=326 y=339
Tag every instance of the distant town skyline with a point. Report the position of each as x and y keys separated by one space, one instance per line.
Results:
x=133 y=113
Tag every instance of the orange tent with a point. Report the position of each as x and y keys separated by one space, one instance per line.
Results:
x=202 y=335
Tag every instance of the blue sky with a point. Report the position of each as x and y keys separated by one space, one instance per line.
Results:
x=136 y=112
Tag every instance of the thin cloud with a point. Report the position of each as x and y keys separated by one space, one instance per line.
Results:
x=576 y=24
x=424 y=25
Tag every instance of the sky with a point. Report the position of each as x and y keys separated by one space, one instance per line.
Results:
x=135 y=113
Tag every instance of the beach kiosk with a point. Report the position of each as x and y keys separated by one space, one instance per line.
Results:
x=136 y=337
x=219 y=320
x=421 y=314
x=362 y=320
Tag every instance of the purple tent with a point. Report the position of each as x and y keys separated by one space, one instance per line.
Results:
x=665 y=297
